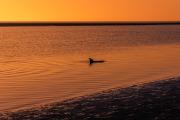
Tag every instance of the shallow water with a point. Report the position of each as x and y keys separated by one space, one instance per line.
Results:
x=39 y=65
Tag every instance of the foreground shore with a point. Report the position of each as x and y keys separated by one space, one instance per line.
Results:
x=158 y=100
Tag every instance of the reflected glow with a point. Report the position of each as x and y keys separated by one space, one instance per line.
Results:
x=43 y=80
x=47 y=64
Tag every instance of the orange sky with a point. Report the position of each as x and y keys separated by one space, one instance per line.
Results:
x=89 y=10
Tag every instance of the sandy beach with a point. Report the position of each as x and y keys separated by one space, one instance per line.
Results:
x=158 y=100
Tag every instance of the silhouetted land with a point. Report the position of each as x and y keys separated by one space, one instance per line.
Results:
x=158 y=100
x=85 y=23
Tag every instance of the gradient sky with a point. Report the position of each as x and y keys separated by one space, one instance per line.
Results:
x=89 y=10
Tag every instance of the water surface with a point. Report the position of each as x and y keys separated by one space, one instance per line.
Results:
x=39 y=65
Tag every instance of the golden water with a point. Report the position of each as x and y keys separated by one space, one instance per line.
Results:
x=39 y=65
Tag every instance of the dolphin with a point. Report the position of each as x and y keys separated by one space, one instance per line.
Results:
x=91 y=61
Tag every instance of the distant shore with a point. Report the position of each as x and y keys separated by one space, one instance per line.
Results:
x=158 y=100
x=102 y=23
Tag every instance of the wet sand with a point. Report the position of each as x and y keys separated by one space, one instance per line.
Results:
x=158 y=100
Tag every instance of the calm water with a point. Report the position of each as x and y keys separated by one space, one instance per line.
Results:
x=39 y=65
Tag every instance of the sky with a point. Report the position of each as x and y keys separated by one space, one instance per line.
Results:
x=89 y=10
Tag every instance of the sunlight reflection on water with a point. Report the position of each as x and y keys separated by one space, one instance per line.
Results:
x=44 y=64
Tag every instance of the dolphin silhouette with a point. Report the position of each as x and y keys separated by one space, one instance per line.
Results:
x=91 y=61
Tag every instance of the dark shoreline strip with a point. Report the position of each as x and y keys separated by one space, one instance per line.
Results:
x=10 y=24
x=158 y=100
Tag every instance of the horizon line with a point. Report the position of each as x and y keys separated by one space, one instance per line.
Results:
x=85 y=23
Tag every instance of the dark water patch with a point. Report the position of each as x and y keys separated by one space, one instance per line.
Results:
x=152 y=101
